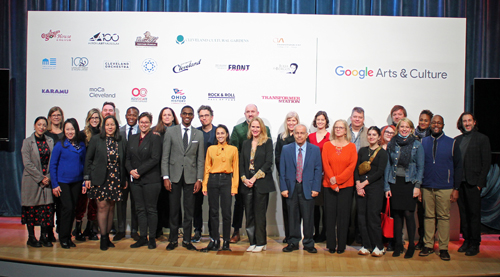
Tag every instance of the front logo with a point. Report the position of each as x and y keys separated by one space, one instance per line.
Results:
x=185 y=66
x=149 y=66
x=79 y=64
x=49 y=63
x=147 y=40
x=238 y=67
x=139 y=95
x=104 y=39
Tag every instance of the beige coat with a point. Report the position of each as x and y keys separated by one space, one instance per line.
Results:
x=32 y=191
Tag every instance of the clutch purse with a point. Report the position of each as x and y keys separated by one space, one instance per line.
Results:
x=365 y=166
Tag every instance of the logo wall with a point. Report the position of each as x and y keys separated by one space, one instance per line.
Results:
x=139 y=95
x=178 y=97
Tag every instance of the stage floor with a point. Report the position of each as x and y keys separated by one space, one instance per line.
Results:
x=272 y=262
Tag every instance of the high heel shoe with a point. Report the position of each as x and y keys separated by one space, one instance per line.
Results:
x=259 y=248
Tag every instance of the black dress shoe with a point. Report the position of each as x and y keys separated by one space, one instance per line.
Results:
x=65 y=245
x=332 y=251
x=212 y=246
x=196 y=237
x=189 y=246
x=420 y=245
x=311 y=249
x=33 y=242
x=93 y=236
x=104 y=242
x=113 y=229
x=44 y=240
x=444 y=255
x=152 y=243
x=71 y=243
x=472 y=251
x=397 y=251
x=285 y=240
x=143 y=241
x=409 y=253
x=225 y=246
x=135 y=236
x=340 y=251
x=464 y=247
x=426 y=251
x=172 y=245
x=290 y=247
x=119 y=236
x=50 y=235
x=235 y=237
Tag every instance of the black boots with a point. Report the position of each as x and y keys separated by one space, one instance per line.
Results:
x=33 y=242
x=77 y=232
x=143 y=241
x=90 y=232
x=152 y=243
x=225 y=246
x=214 y=245
x=105 y=242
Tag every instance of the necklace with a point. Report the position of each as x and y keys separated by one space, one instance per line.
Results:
x=339 y=150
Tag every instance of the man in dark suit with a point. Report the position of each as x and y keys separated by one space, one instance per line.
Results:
x=182 y=167
x=126 y=131
x=300 y=182
x=476 y=156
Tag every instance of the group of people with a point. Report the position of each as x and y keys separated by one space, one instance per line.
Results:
x=332 y=180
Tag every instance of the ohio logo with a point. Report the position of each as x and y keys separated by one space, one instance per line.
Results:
x=360 y=73
x=79 y=63
x=104 y=39
x=178 y=97
x=180 y=39
x=57 y=35
x=238 y=67
x=139 y=95
x=149 y=66
x=147 y=40
x=49 y=63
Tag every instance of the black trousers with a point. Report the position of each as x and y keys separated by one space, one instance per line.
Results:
x=239 y=208
x=469 y=206
x=181 y=189
x=369 y=221
x=146 y=198
x=219 y=194
x=300 y=209
x=69 y=198
x=420 y=219
x=255 y=204
x=286 y=217
x=338 y=212
x=121 y=212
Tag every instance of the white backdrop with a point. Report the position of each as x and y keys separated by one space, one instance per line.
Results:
x=78 y=60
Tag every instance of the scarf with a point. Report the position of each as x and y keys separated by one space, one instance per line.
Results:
x=405 y=152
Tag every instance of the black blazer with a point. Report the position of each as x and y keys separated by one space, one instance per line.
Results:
x=263 y=160
x=97 y=160
x=477 y=159
x=145 y=158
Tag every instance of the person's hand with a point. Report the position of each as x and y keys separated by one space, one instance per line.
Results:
x=337 y=189
x=359 y=185
x=57 y=191
x=333 y=180
x=479 y=188
x=197 y=186
x=314 y=193
x=454 y=196
x=365 y=183
x=253 y=179
x=167 y=184
x=248 y=184
x=205 y=193
x=135 y=174
x=88 y=185
x=84 y=190
x=361 y=192
x=420 y=197
x=233 y=194
x=45 y=181
x=126 y=185
x=416 y=192
x=284 y=193
x=388 y=194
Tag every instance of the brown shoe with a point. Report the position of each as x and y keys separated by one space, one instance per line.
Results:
x=236 y=237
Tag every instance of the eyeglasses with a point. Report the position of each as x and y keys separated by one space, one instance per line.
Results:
x=188 y=114
x=94 y=118
x=56 y=115
x=339 y=128
x=390 y=133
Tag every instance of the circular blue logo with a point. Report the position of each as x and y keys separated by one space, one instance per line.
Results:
x=180 y=39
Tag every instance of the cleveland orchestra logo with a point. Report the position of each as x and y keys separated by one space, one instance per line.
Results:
x=49 y=63
x=178 y=97
x=139 y=95
x=55 y=91
x=238 y=67
x=283 y=99
x=282 y=43
x=100 y=92
x=104 y=39
x=222 y=96
x=149 y=66
x=147 y=40
x=117 y=65
x=185 y=66
x=79 y=63
x=55 y=34
x=180 y=39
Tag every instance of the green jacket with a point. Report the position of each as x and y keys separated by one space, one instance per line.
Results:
x=239 y=135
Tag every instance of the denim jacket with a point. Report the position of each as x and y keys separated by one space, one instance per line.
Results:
x=415 y=170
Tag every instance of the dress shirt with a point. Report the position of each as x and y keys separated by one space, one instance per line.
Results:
x=135 y=129
x=222 y=158
x=183 y=129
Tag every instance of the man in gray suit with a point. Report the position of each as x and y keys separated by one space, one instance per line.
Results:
x=182 y=166
x=127 y=130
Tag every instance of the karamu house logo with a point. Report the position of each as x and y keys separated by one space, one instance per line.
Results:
x=104 y=39
x=139 y=95
x=147 y=40
x=55 y=35
x=49 y=63
x=100 y=92
x=79 y=63
x=185 y=66
x=55 y=91
x=116 y=65
x=149 y=66
x=178 y=97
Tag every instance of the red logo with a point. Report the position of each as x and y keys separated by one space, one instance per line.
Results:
x=139 y=92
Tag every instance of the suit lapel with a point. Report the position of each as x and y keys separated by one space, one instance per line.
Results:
x=308 y=155
x=294 y=155
x=144 y=143
x=192 y=138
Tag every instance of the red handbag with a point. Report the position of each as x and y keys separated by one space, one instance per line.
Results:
x=387 y=221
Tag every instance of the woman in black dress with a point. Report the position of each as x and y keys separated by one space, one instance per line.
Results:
x=105 y=174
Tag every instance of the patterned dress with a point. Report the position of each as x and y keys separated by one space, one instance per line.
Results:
x=41 y=215
x=112 y=187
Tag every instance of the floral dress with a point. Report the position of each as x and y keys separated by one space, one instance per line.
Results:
x=112 y=187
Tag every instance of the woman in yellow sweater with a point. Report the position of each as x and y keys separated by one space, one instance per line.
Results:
x=220 y=182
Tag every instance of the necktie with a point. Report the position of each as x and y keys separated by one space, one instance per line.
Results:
x=129 y=132
x=299 y=167
x=185 y=138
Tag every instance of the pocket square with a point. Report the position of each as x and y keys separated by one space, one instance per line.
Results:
x=194 y=141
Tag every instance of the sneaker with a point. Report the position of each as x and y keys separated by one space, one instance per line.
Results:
x=363 y=251
x=377 y=252
x=196 y=237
